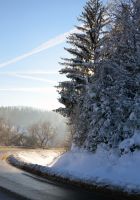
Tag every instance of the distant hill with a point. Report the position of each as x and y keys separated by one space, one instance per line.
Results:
x=24 y=117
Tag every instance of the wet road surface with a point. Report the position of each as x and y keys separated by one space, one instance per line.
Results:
x=6 y=195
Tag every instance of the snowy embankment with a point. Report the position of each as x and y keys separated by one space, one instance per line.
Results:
x=104 y=168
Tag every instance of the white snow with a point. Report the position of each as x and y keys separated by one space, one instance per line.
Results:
x=105 y=167
x=39 y=157
x=128 y=143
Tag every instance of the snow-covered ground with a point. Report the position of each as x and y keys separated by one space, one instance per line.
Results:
x=40 y=157
x=102 y=168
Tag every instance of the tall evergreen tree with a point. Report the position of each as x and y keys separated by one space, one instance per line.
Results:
x=85 y=52
x=102 y=95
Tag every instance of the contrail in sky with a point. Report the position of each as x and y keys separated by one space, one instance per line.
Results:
x=34 y=78
x=41 y=72
x=32 y=89
x=50 y=43
x=30 y=75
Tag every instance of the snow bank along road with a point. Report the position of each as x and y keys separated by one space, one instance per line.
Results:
x=36 y=188
x=105 y=170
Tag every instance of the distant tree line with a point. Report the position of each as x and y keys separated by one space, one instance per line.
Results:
x=28 y=127
x=39 y=135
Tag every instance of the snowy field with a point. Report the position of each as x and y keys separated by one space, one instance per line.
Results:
x=104 y=168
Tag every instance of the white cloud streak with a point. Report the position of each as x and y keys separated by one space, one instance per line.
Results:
x=34 y=78
x=30 y=89
x=29 y=76
x=50 y=43
x=41 y=72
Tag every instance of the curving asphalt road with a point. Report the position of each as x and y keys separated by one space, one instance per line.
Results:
x=36 y=188
x=7 y=195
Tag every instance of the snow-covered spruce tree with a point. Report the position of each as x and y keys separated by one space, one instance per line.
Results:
x=132 y=125
x=131 y=121
x=85 y=56
x=104 y=106
x=131 y=64
x=122 y=62
x=136 y=22
x=116 y=113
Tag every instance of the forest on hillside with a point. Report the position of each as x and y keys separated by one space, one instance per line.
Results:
x=25 y=126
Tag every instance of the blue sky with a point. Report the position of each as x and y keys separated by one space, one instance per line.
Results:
x=25 y=25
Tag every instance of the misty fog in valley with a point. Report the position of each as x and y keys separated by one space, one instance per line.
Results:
x=46 y=126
